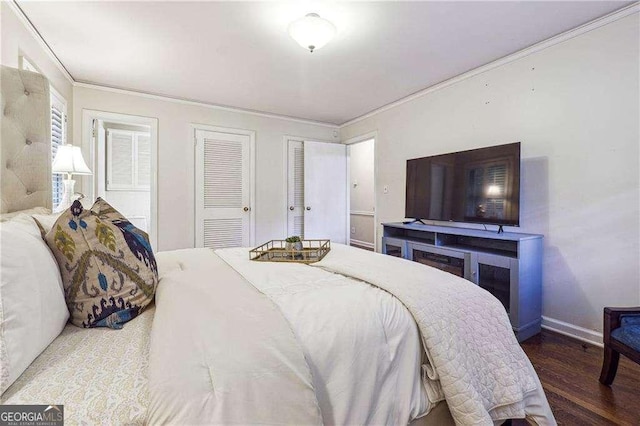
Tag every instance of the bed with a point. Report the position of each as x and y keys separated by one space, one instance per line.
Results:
x=358 y=338
x=226 y=356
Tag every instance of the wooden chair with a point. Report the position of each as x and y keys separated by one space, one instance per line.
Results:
x=621 y=336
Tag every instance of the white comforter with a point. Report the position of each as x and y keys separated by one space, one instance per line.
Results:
x=221 y=352
x=474 y=359
x=361 y=344
x=328 y=346
x=356 y=353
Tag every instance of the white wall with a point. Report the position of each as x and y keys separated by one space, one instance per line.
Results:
x=176 y=158
x=16 y=40
x=361 y=187
x=575 y=108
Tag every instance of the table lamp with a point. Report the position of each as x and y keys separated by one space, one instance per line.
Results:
x=69 y=160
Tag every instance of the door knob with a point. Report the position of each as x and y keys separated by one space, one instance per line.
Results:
x=246 y=209
x=308 y=208
x=291 y=208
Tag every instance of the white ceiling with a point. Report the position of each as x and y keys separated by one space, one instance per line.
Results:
x=239 y=53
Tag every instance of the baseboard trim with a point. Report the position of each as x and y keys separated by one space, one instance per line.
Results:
x=570 y=330
x=363 y=244
x=362 y=213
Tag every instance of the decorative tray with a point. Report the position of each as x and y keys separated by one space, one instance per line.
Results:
x=278 y=251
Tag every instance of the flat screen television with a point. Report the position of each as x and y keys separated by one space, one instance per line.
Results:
x=476 y=186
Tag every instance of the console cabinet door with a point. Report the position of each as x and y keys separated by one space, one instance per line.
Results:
x=499 y=276
x=394 y=247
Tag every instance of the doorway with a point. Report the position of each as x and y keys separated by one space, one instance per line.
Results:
x=361 y=183
x=123 y=157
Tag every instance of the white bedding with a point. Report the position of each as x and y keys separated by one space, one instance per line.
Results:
x=473 y=354
x=475 y=361
x=221 y=352
x=361 y=343
x=99 y=374
x=278 y=344
x=354 y=352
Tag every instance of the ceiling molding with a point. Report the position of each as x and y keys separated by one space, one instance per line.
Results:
x=36 y=35
x=560 y=38
x=203 y=104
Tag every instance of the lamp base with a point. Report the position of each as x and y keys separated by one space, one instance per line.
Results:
x=67 y=195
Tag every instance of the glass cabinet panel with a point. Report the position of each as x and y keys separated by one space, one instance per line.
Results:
x=443 y=262
x=497 y=281
x=393 y=250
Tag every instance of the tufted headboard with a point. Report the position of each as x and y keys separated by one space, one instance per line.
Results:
x=25 y=155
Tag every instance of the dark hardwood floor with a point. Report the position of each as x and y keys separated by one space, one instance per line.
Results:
x=569 y=371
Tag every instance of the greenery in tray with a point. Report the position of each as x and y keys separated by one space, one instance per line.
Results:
x=293 y=239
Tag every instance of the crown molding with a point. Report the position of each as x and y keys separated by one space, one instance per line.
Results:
x=203 y=104
x=22 y=17
x=545 y=44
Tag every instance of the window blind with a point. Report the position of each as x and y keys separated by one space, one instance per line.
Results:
x=57 y=139
x=128 y=160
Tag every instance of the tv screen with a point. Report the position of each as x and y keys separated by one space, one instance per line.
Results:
x=478 y=186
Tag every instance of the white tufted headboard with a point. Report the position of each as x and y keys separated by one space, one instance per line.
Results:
x=25 y=154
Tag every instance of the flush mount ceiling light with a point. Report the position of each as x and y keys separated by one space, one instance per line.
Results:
x=312 y=32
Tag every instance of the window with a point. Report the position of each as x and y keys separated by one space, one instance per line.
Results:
x=58 y=137
x=128 y=160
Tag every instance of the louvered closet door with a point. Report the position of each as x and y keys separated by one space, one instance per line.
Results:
x=223 y=176
x=295 y=189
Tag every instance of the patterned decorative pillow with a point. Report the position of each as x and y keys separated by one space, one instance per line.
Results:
x=107 y=265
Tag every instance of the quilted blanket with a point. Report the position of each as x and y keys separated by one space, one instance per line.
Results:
x=474 y=356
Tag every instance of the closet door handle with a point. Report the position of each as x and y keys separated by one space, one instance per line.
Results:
x=246 y=209
x=291 y=208
x=308 y=208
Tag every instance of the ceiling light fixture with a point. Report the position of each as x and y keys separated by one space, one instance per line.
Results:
x=312 y=32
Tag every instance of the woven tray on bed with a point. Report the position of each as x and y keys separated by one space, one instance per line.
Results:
x=277 y=251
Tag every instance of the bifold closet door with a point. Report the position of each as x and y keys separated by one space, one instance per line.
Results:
x=295 y=188
x=325 y=191
x=223 y=197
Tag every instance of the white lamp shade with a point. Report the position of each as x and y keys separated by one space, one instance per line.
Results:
x=69 y=160
x=312 y=32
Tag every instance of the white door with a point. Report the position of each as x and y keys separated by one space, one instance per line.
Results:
x=325 y=191
x=223 y=189
x=295 y=188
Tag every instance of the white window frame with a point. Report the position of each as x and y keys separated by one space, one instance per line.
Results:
x=25 y=63
x=60 y=103
x=134 y=185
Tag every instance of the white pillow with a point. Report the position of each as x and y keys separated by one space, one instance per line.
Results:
x=46 y=220
x=36 y=210
x=32 y=307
